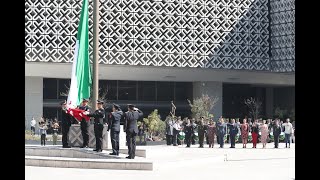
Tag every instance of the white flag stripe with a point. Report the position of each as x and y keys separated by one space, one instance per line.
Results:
x=73 y=91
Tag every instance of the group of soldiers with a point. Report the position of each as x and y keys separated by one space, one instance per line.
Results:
x=187 y=130
x=102 y=116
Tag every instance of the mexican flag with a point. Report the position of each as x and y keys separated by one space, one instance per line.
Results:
x=81 y=79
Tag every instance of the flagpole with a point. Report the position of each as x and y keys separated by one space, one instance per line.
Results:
x=95 y=53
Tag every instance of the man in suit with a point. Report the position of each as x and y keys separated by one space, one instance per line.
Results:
x=233 y=130
x=221 y=127
x=65 y=124
x=99 y=116
x=84 y=125
x=276 y=133
x=130 y=127
x=114 y=125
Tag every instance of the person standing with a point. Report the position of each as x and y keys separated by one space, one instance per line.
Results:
x=201 y=132
x=221 y=131
x=211 y=133
x=188 y=130
x=255 y=133
x=244 y=133
x=33 y=126
x=84 y=125
x=169 y=130
x=264 y=133
x=55 y=129
x=176 y=130
x=195 y=129
x=65 y=124
x=130 y=127
x=142 y=134
x=276 y=133
x=233 y=130
x=114 y=125
x=98 y=116
x=288 y=131
x=43 y=132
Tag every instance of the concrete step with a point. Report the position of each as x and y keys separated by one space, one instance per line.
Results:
x=54 y=150
x=88 y=163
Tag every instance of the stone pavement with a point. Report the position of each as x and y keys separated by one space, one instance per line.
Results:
x=191 y=163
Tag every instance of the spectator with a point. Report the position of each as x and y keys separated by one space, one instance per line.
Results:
x=33 y=126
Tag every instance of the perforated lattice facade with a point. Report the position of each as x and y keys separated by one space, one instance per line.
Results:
x=282 y=15
x=224 y=34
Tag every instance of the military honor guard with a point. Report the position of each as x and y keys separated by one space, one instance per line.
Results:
x=114 y=124
x=130 y=127
x=84 y=125
x=99 y=116
x=66 y=119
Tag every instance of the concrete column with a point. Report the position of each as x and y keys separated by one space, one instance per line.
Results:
x=269 y=102
x=33 y=99
x=212 y=89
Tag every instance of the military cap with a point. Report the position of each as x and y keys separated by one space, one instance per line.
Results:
x=116 y=106
x=85 y=99
x=100 y=102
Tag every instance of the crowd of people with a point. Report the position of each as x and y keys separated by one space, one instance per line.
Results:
x=188 y=131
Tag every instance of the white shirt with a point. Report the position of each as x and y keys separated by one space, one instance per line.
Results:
x=33 y=123
x=176 y=126
x=287 y=128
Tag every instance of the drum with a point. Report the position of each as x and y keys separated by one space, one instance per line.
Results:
x=196 y=136
x=281 y=137
x=249 y=137
x=181 y=136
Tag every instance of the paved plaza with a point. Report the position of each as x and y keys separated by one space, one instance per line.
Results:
x=191 y=163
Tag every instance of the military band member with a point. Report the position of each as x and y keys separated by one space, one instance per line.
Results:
x=130 y=127
x=98 y=115
x=114 y=125
x=65 y=124
x=84 y=125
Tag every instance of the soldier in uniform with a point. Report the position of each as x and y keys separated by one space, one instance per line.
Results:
x=130 y=127
x=84 y=125
x=201 y=132
x=114 y=125
x=98 y=115
x=65 y=124
x=276 y=133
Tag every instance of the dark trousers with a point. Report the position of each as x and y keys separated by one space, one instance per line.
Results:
x=207 y=138
x=131 y=141
x=276 y=141
x=84 y=131
x=228 y=137
x=188 y=139
x=98 y=128
x=169 y=139
x=115 y=141
x=193 y=139
x=221 y=140
x=43 y=139
x=233 y=140
x=33 y=130
x=218 y=140
x=287 y=139
x=65 y=132
x=174 y=137
x=201 y=139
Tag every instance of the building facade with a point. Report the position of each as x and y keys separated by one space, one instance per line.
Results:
x=155 y=51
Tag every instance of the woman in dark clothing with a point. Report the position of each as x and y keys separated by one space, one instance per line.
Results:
x=255 y=133
x=188 y=130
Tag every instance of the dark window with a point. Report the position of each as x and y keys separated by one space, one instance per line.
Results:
x=183 y=91
x=165 y=91
x=108 y=89
x=127 y=90
x=50 y=112
x=64 y=85
x=147 y=91
x=49 y=88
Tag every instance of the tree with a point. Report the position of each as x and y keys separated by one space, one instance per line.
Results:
x=254 y=106
x=280 y=113
x=155 y=125
x=201 y=106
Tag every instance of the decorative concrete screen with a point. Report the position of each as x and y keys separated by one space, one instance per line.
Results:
x=223 y=34
x=282 y=13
